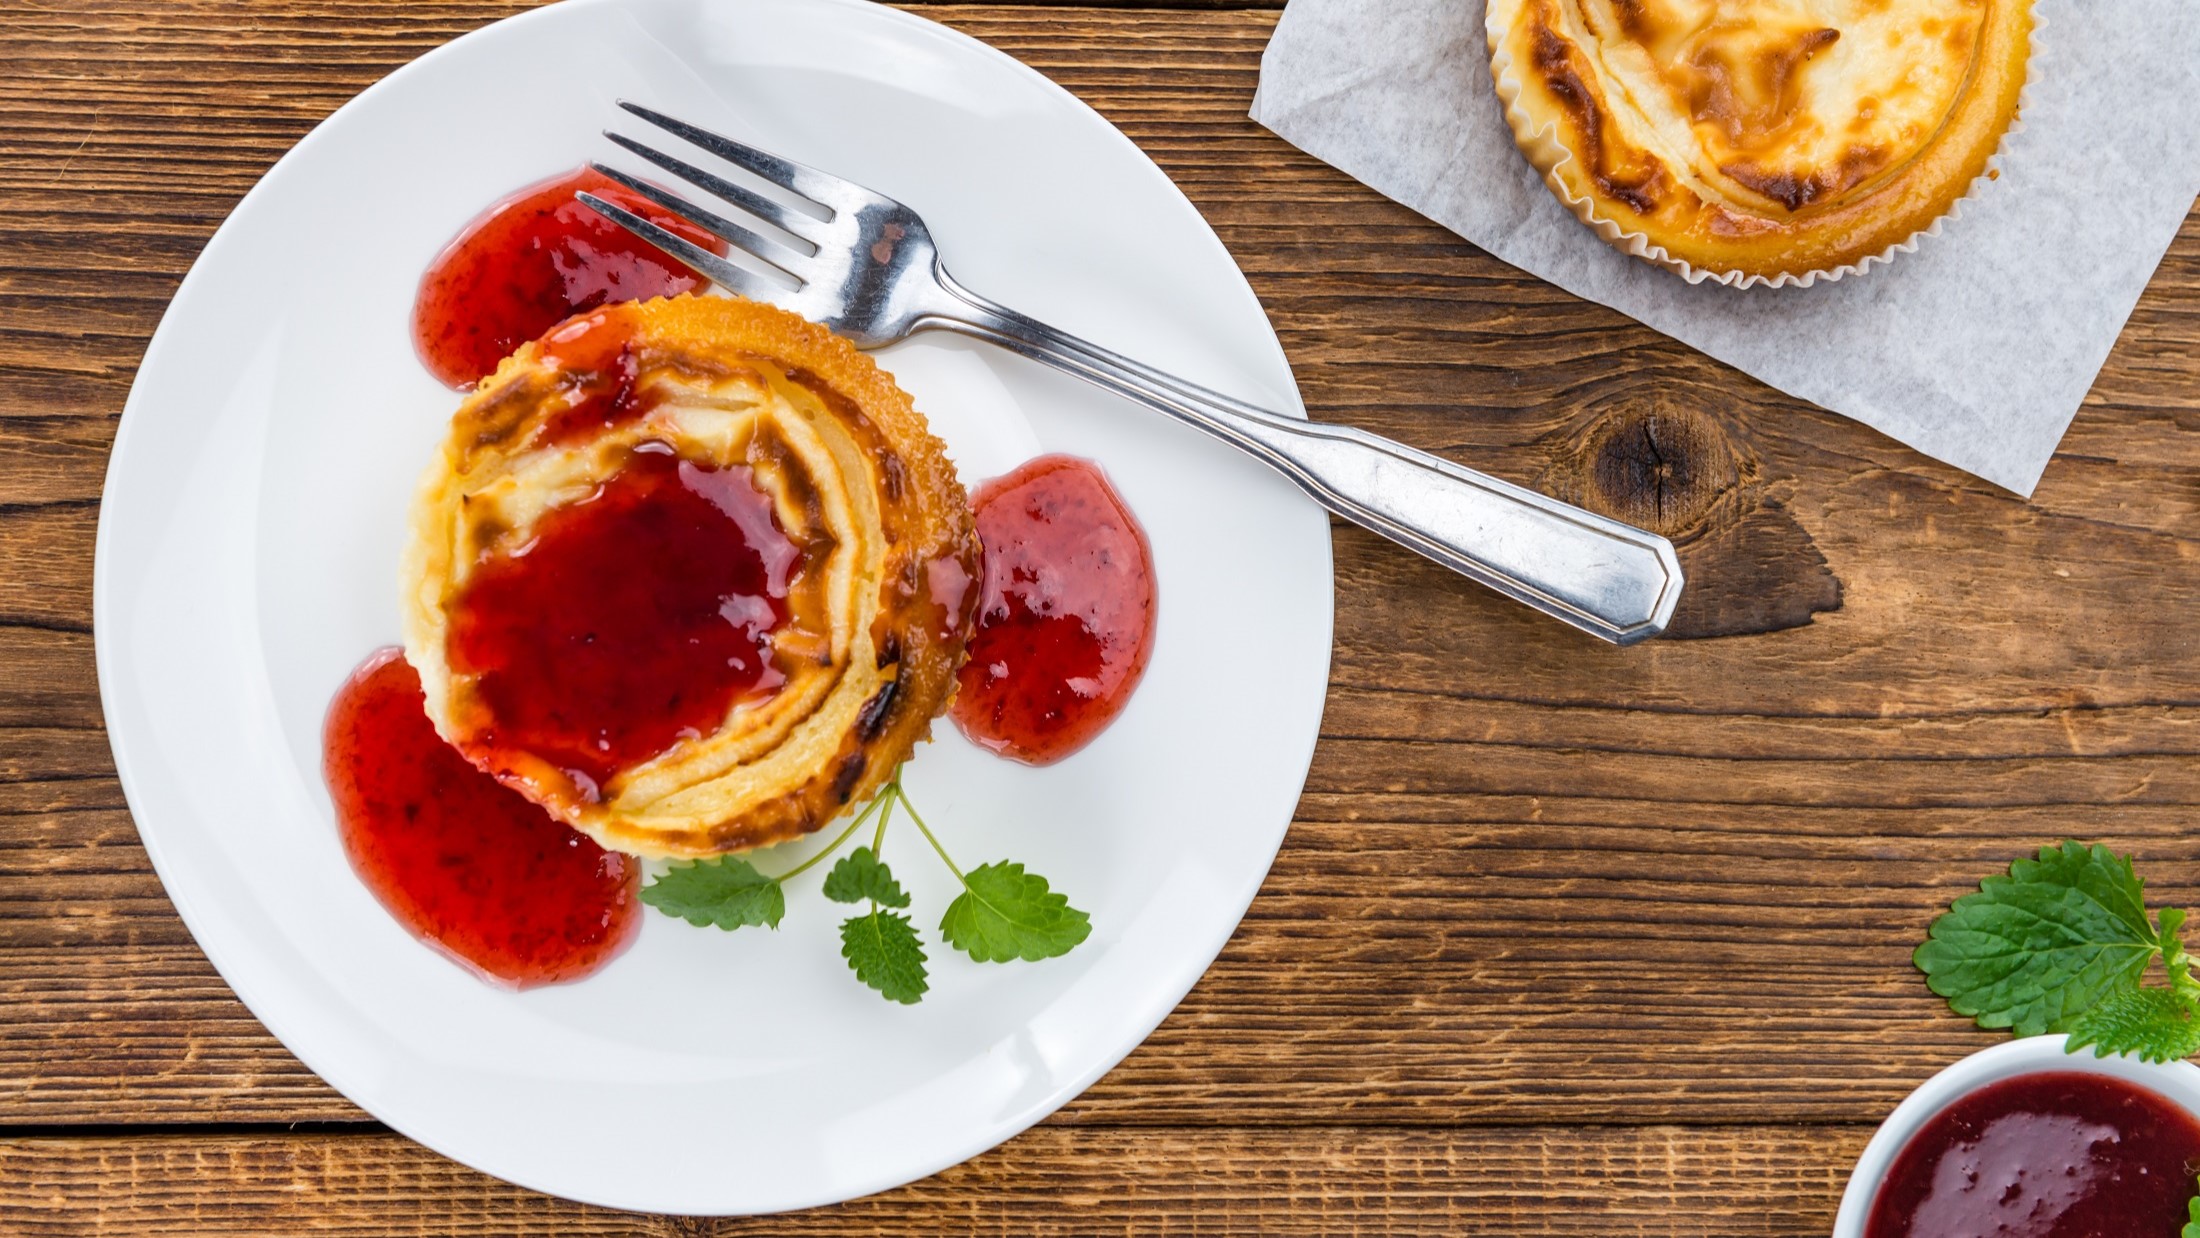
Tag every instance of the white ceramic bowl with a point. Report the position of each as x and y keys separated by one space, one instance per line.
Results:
x=2179 y=1082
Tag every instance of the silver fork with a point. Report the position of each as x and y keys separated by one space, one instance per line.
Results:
x=874 y=277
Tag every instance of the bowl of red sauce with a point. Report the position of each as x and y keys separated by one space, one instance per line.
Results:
x=2024 y=1140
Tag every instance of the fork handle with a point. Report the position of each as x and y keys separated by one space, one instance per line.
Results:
x=1609 y=579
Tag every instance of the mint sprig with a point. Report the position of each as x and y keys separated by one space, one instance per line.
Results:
x=881 y=946
x=2063 y=943
x=726 y=892
x=883 y=949
x=862 y=875
x=2192 y=1227
x=2155 y=1024
x=1004 y=913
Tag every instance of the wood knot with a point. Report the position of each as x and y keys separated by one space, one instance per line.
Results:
x=1656 y=460
x=1661 y=468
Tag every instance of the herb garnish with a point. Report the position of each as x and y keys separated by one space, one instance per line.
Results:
x=2192 y=1227
x=2063 y=943
x=1003 y=913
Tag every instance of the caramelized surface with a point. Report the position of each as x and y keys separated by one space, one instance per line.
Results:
x=671 y=576
x=1760 y=137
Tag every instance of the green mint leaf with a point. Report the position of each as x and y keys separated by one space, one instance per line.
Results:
x=2155 y=1024
x=2032 y=950
x=883 y=949
x=727 y=892
x=1006 y=913
x=860 y=875
x=2173 y=949
x=2192 y=1227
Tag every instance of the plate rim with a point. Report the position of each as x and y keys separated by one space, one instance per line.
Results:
x=108 y=659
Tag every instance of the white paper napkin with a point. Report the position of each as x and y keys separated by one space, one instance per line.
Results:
x=1976 y=349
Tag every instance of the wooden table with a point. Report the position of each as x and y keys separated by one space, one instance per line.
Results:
x=1565 y=939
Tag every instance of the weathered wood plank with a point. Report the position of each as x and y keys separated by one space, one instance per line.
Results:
x=1532 y=880
x=1393 y=973
x=46 y=564
x=48 y=678
x=1708 y=1182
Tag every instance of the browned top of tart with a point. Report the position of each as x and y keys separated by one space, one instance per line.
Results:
x=1761 y=137
x=691 y=574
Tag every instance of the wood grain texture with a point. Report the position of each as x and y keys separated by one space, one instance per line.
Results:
x=1539 y=890
x=1526 y=1183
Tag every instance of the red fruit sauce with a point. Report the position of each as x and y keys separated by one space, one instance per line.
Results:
x=534 y=260
x=2060 y=1154
x=1065 y=613
x=629 y=620
x=598 y=348
x=463 y=861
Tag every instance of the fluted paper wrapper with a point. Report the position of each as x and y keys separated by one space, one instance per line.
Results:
x=1976 y=350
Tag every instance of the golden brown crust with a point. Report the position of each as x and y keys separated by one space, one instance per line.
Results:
x=1760 y=139
x=857 y=479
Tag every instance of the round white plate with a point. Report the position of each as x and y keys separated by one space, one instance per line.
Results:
x=248 y=546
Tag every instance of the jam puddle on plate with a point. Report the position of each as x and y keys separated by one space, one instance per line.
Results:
x=534 y=260
x=464 y=862
x=2059 y=1154
x=1065 y=612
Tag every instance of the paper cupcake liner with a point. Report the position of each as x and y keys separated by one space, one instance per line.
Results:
x=1544 y=149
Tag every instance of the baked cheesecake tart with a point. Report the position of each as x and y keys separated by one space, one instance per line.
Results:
x=692 y=574
x=1760 y=140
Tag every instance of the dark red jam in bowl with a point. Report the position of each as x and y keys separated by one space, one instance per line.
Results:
x=1065 y=611
x=466 y=863
x=2058 y=1154
x=534 y=260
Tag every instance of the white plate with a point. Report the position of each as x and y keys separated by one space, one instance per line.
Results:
x=248 y=545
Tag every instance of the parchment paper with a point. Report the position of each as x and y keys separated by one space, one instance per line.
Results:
x=1976 y=349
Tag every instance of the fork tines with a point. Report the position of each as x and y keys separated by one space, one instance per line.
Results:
x=784 y=258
